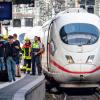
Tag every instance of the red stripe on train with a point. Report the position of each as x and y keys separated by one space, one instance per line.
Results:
x=73 y=72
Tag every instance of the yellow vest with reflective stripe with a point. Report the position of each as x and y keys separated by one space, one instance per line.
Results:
x=28 y=56
x=36 y=45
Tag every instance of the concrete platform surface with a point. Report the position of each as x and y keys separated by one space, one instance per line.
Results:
x=6 y=93
x=4 y=84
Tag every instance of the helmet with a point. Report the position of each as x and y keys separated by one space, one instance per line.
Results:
x=5 y=36
x=27 y=39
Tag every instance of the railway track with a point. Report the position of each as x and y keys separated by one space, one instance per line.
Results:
x=67 y=97
x=74 y=94
x=92 y=97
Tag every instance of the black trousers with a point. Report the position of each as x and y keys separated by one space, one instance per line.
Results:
x=36 y=62
x=27 y=62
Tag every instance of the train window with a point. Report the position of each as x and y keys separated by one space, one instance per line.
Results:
x=82 y=6
x=29 y=22
x=82 y=1
x=52 y=41
x=23 y=2
x=90 y=2
x=52 y=47
x=16 y=23
x=79 y=34
x=90 y=9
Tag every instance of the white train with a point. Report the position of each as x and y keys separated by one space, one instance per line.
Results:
x=73 y=48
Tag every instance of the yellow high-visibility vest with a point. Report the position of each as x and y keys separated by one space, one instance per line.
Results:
x=27 y=54
x=36 y=45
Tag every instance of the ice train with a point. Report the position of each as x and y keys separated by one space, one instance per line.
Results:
x=73 y=48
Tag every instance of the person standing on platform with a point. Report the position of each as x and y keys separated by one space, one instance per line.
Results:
x=5 y=40
x=43 y=48
x=26 y=49
x=17 y=55
x=10 y=55
x=36 y=56
x=2 y=53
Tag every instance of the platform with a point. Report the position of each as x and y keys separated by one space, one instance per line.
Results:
x=9 y=92
x=4 y=84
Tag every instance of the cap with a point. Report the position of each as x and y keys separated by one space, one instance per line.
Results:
x=10 y=37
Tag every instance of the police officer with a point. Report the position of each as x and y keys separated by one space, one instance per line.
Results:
x=36 y=60
x=26 y=49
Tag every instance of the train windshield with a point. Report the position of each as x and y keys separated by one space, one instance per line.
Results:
x=79 y=34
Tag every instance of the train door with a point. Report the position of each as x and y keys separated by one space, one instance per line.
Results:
x=50 y=44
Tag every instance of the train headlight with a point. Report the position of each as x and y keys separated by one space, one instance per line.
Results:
x=90 y=59
x=52 y=48
x=69 y=59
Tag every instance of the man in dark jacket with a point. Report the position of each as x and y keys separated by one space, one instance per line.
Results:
x=17 y=55
x=10 y=58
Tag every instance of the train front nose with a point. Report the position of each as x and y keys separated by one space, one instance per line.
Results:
x=80 y=68
x=83 y=72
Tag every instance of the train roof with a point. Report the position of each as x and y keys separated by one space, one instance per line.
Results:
x=70 y=10
x=76 y=16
